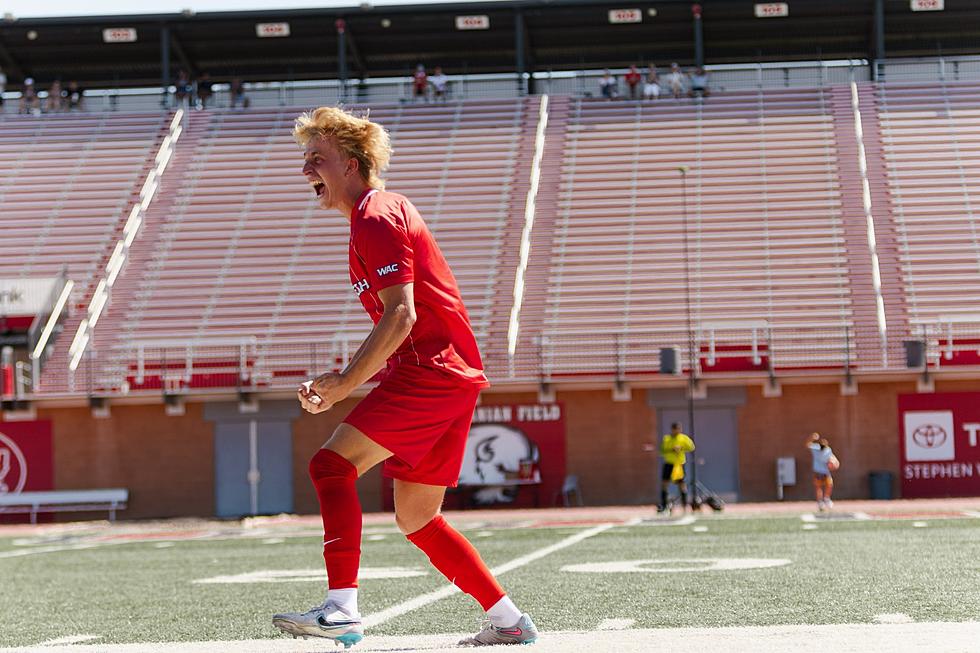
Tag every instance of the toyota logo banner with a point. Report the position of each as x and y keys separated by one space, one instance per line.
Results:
x=938 y=444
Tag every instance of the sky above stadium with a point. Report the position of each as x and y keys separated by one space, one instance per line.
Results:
x=35 y=9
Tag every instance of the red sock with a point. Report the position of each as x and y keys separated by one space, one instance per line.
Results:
x=458 y=560
x=335 y=481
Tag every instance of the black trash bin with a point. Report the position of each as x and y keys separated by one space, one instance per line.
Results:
x=881 y=485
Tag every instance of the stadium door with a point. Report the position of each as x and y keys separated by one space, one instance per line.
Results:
x=715 y=434
x=253 y=468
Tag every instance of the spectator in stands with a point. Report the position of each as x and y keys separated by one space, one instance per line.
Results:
x=420 y=84
x=633 y=78
x=699 y=83
x=675 y=79
x=53 y=102
x=651 y=87
x=440 y=84
x=237 y=91
x=205 y=88
x=608 y=86
x=3 y=87
x=182 y=88
x=73 y=97
x=29 y=101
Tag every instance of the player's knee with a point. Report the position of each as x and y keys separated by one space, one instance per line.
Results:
x=327 y=463
x=412 y=518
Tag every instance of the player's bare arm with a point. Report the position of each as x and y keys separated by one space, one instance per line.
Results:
x=390 y=332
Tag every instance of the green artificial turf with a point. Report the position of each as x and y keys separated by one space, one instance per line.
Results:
x=842 y=572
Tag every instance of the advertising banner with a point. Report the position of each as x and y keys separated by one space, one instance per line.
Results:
x=26 y=461
x=938 y=444
x=515 y=456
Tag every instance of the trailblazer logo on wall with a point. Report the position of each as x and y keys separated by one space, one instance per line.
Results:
x=499 y=457
x=929 y=435
x=13 y=466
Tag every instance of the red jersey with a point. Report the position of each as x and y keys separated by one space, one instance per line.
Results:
x=633 y=78
x=390 y=244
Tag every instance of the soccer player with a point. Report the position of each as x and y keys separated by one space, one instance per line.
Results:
x=824 y=463
x=417 y=419
x=674 y=448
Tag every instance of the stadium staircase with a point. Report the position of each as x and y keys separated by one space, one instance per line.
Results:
x=871 y=350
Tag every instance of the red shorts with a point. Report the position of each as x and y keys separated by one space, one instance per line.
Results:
x=423 y=417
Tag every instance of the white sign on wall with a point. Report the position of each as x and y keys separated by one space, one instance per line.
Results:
x=625 y=16
x=25 y=297
x=927 y=5
x=929 y=435
x=119 y=35
x=472 y=22
x=771 y=10
x=271 y=30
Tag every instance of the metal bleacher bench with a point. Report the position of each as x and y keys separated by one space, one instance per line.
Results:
x=110 y=499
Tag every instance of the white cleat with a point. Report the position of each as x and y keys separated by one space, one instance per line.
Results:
x=327 y=621
x=523 y=632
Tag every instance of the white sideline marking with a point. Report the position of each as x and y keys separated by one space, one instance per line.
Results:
x=70 y=639
x=972 y=513
x=49 y=549
x=273 y=540
x=808 y=517
x=675 y=565
x=307 y=575
x=919 y=524
x=893 y=618
x=376 y=538
x=484 y=534
x=700 y=529
x=378 y=618
x=810 y=527
x=934 y=637
x=615 y=624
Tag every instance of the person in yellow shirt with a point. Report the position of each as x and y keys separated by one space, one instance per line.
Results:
x=674 y=449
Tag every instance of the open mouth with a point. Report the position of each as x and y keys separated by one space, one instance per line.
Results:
x=318 y=188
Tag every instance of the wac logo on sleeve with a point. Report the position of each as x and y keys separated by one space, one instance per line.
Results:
x=388 y=269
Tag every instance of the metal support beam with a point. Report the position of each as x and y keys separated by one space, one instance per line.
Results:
x=355 y=54
x=698 y=36
x=879 y=37
x=9 y=63
x=341 y=25
x=182 y=55
x=520 y=41
x=165 y=62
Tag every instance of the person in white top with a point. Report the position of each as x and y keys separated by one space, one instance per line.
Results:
x=675 y=79
x=651 y=86
x=440 y=84
x=824 y=464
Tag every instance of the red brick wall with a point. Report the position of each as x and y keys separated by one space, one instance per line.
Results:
x=167 y=463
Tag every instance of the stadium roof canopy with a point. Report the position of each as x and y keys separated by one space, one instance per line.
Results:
x=543 y=34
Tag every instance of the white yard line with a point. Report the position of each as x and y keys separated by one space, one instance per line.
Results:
x=71 y=639
x=421 y=601
x=615 y=624
x=832 y=638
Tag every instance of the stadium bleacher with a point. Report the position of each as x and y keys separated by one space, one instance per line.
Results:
x=234 y=250
x=235 y=268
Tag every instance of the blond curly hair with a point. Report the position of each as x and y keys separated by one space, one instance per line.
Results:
x=357 y=138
